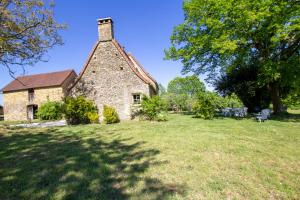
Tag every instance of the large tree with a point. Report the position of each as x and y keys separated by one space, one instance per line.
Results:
x=27 y=31
x=182 y=91
x=243 y=83
x=189 y=86
x=225 y=35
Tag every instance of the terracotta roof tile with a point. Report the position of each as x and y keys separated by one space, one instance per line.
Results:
x=38 y=81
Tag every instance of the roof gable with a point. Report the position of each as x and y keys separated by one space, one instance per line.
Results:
x=38 y=81
x=133 y=64
x=136 y=67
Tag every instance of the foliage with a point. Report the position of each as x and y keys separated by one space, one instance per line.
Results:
x=110 y=115
x=161 y=90
x=232 y=101
x=93 y=117
x=244 y=83
x=292 y=100
x=152 y=107
x=182 y=91
x=206 y=106
x=189 y=86
x=27 y=31
x=51 y=110
x=162 y=117
x=176 y=102
x=78 y=109
x=225 y=35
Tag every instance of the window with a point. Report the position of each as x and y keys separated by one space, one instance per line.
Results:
x=31 y=95
x=136 y=99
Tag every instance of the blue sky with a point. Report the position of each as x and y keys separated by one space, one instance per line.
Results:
x=142 y=27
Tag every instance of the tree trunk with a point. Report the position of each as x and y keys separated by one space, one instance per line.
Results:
x=275 y=97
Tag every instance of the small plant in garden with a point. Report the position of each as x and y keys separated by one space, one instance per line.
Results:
x=110 y=115
x=162 y=117
x=152 y=107
x=79 y=110
x=93 y=117
x=205 y=107
x=51 y=110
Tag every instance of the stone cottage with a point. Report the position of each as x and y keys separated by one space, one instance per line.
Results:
x=23 y=96
x=113 y=77
x=110 y=76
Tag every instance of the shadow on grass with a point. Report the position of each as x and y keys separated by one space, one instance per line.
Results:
x=286 y=117
x=53 y=165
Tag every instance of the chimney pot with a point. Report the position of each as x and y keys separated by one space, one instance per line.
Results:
x=105 y=29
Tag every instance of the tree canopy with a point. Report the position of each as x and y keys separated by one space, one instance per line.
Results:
x=27 y=31
x=182 y=91
x=219 y=35
x=243 y=83
x=189 y=86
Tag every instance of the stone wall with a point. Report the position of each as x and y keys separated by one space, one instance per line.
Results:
x=43 y=94
x=68 y=82
x=15 y=103
x=109 y=80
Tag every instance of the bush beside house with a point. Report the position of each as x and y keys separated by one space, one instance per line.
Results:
x=110 y=115
x=151 y=108
x=79 y=110
x=51 y=110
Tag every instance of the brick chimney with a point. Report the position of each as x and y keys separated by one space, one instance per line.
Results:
x=105 y=29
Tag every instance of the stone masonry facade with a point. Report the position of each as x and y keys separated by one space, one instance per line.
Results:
x=110 y=77
x=16 y=102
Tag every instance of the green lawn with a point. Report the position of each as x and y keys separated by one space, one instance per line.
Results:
x=184 y=158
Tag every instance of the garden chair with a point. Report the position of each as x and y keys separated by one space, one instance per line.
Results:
x=226 y=112
x=240 y=112
x=263 y=115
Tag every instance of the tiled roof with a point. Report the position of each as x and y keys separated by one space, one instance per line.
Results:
x=143 y=72
x=38 y=81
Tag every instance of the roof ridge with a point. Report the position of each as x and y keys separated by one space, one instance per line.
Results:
x=142 y=68
x=130 y=63
x=42 y=80
x=45 y=73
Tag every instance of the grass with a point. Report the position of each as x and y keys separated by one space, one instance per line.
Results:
x=184 y=158
x=8 y=123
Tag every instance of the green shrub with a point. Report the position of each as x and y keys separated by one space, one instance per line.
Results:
x=77 y=110
x=292 y=101
x=51 y=110
x=232 y=101
x=151 y=107
x=161 y=117
x=93 y=117
x=110 y=115
x=205 y=107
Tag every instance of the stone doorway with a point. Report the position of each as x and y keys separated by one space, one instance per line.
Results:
x=31 y=112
